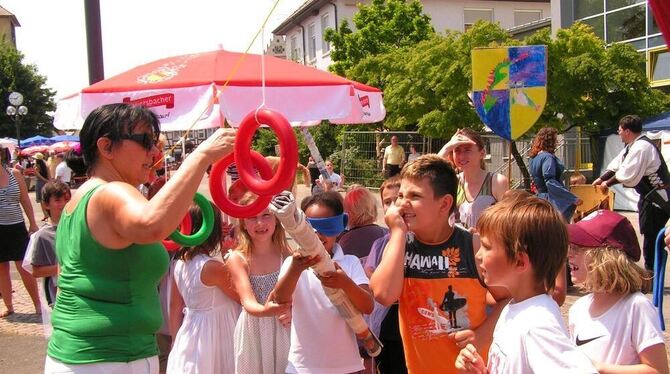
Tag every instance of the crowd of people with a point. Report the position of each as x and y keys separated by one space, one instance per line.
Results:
x=467 y=276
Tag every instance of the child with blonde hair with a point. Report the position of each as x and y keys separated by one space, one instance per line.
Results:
x=262 y=334
x=203 y=306
x=614 y=325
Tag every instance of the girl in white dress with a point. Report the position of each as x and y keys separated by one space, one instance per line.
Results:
x=262 y=332
x=203 y=307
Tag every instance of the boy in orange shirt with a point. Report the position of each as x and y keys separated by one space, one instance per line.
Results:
x=433 y=275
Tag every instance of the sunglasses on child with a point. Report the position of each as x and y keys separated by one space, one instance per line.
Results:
x=146 y=140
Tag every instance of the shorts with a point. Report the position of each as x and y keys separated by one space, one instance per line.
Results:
x=38 y=190
x=14 y=242
x=147 y=365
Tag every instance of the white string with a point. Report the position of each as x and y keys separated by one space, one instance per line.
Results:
x=262 y=75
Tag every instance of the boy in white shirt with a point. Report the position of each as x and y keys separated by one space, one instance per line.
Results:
x=321 y=340
x=524 y=245
x=615 y=325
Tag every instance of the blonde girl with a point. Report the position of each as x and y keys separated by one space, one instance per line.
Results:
x=262 y=332
x=615 y=325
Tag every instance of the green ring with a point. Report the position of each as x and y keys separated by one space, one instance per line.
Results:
x=205 y=229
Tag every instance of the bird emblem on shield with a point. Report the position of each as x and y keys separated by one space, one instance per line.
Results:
x=509 y=87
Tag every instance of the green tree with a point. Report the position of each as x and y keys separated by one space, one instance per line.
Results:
x=591 y=85
x=15 y=75
x=380 y=27
x=426 y=86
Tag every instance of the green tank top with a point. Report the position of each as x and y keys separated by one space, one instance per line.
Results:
x=107 y=308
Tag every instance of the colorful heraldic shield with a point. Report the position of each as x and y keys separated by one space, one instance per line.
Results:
x=509 y=87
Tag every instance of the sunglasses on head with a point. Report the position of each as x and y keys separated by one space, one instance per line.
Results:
x=146 y=140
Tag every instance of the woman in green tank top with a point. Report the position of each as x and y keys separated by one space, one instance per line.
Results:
x=108 y=243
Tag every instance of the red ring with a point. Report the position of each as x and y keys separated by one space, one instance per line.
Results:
x=220 y=197
x=185 y=228
x=288 y=145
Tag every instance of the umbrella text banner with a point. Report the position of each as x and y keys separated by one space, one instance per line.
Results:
x=180 y=89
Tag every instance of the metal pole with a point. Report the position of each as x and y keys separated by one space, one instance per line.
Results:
x=96 y=70
x=17 y=122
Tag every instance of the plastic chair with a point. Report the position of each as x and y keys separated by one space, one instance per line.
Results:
x=660 y=259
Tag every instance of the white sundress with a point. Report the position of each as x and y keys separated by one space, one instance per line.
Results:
x=261 y=343
x=204 y=342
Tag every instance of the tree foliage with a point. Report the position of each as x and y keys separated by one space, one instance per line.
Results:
x=382 y=26
x=15 y=75
x=426 y=85
x=593 y=86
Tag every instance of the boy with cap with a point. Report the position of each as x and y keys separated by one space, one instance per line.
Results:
x=614 y=325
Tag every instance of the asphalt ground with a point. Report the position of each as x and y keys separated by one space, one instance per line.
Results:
x=22 y=341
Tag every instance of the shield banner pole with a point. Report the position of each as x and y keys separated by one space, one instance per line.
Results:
x=509 y=163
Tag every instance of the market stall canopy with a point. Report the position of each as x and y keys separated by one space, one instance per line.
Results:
x=180 y=89
x=36 y=140
x=65 y=138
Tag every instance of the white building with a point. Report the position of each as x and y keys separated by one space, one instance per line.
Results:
x=304 y=29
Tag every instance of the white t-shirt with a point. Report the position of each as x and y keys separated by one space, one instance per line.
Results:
x=63 y=172
x=335 y=178
x=530 y=337
x=321 y=341
x=617 y=336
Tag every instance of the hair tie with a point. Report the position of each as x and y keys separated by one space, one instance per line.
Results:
x=77 y=149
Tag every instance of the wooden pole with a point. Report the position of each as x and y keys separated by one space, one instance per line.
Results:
x=509 y=165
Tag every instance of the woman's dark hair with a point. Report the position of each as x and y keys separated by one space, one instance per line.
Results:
x=112 y=121
x=76 y=163
x=5 y=156
x=212 y=244
x=330 y=199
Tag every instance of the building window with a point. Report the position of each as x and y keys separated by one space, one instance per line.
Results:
x=659 y=67
x=325 y=46
x=597 y=24
x=653 y=27
x=471 y=15
x=626 y=24
x=616 y=4
x=296 y=54
x=585 y=8
x=311 y=42
x=522 y=17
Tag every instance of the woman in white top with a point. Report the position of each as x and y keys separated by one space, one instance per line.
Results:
x=477 y=189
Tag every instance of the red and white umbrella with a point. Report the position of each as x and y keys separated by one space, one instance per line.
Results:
x=61 y=147
x=180 y=89
x=34 y=149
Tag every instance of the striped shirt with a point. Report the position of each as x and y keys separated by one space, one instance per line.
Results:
x=10 y=198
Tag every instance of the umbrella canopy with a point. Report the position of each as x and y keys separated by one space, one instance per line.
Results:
x=179 y=89
x=8 y=143
x=65 y=138
x=36 y=140
x=61 y=147
x=34 y=149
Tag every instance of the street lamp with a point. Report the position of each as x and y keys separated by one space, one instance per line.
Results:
x=17 y=110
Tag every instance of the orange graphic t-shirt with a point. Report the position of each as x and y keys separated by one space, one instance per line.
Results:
x=441 y=294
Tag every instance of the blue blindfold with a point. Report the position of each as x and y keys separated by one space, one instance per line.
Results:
x=331 y=226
